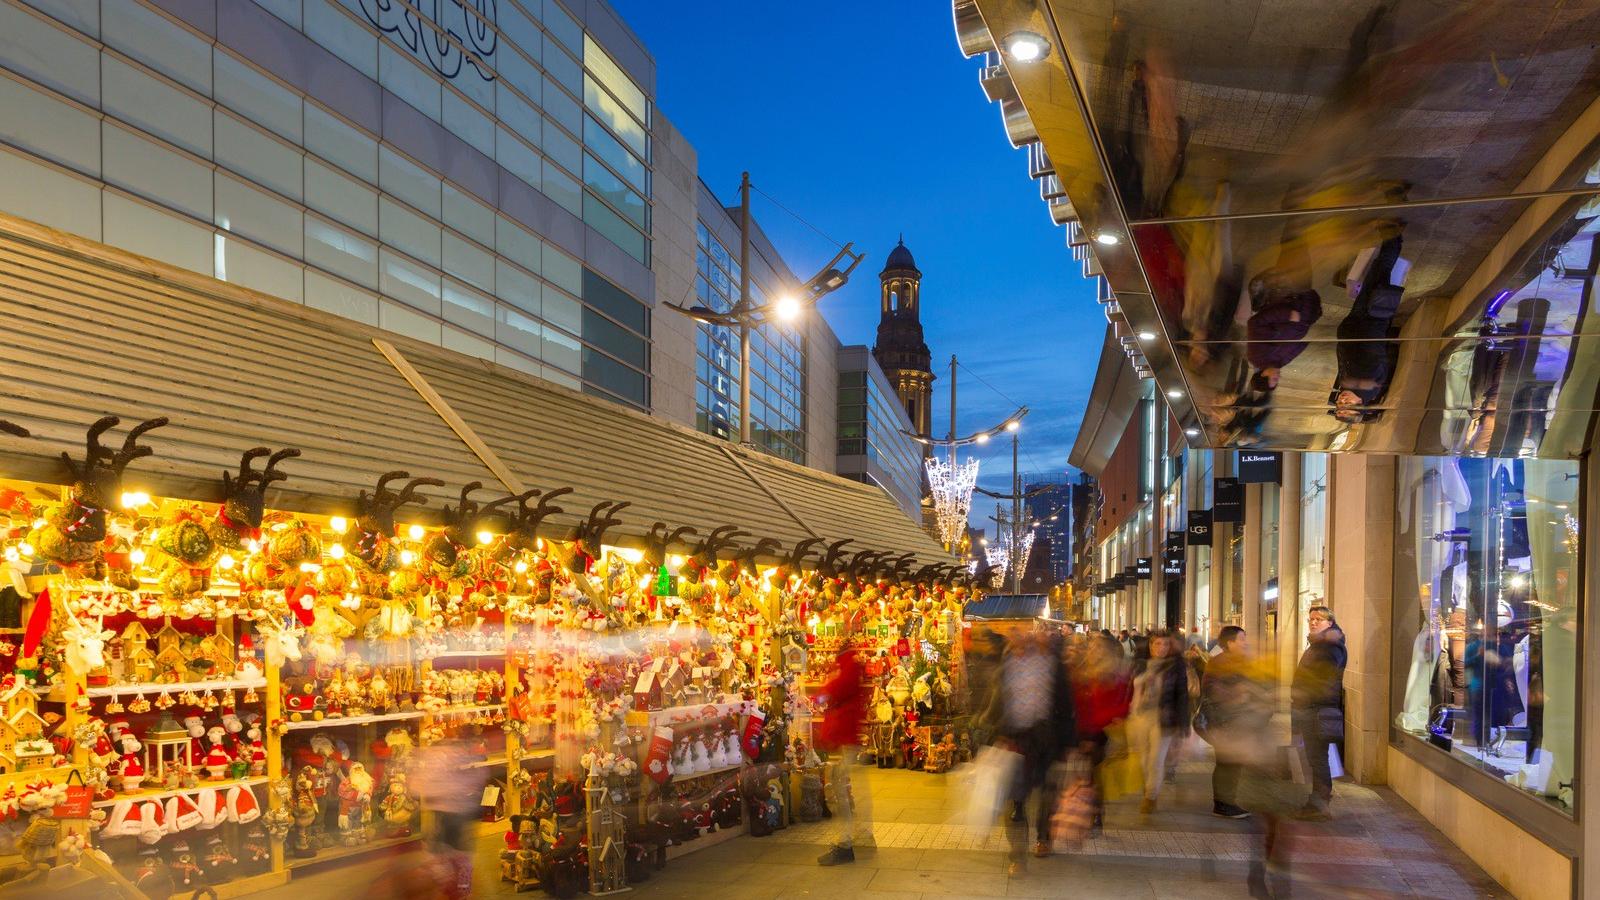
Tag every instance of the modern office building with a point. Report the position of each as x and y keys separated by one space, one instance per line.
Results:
x=481 y=181
x=1345 y=366
x=875 y=443
x=1049 y=503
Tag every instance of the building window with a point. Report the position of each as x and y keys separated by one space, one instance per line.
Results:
x=1486 y=616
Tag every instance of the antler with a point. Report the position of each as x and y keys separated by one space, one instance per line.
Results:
x=720 y=537
x=528 y=519
x=131 y=448
x=408 y=494
x=763 y=547
x=902 y=566
x=859 y=563
x=659 y=539
x=14 y=428
x=93 y=452
x=829 y=564
x=519 y=499
x=248 y=475
x=601 y=517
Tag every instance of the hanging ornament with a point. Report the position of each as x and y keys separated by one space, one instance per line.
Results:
x=163 y=701
x=209 y=701
x=250 y=696
x=114 y=705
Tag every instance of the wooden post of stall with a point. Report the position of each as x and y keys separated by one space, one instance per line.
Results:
x=272 y=703
x=513 y=676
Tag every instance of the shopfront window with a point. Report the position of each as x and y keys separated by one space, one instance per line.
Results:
x=1486 y=591
x=1313 y=577
x=1268 y=569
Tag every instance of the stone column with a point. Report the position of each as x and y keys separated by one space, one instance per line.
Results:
x=1251 y=612
x=1287 y=641
x=1361 y=593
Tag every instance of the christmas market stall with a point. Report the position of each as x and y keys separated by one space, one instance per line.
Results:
x=273 y=581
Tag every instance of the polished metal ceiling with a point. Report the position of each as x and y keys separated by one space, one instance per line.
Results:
x=1339 y=225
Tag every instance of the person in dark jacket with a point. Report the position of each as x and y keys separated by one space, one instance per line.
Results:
x=1316 y=704
x=1032 y=710
x=1160 y=712
x=1276 y=331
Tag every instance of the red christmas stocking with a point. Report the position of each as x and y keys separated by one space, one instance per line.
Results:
x=656 y=759
x=754 y=727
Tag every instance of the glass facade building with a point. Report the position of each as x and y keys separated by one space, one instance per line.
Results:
x=875 y=445
x=777 y=356
x=436 y=177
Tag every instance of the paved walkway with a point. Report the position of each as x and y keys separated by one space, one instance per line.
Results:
x=1376 y=847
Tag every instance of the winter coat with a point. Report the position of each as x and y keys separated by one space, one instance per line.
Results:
x=1275 y=337
x=842 y=723
x=1319 y=677
x=1162 y=689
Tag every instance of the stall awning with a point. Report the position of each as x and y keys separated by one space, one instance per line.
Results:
x=993 y=607
x=92 y=331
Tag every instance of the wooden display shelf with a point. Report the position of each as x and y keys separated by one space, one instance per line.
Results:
x=340 y=721
x=387 y=717
x=719 y=836
x=173 y=792
x=111 y=690
x=250 y=884
x=468 y=654
x=336 y=853
x=489 y=763
x=720 y=770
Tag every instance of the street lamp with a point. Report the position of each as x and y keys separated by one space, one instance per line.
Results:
x=746 y=316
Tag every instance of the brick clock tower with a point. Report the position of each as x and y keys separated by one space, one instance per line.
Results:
x=900 y=350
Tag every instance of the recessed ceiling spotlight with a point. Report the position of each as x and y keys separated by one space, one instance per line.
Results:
x=1147 y=336
x=1175 y=394
x=1107 y=238
x=1192 y=432
x=1026 y=47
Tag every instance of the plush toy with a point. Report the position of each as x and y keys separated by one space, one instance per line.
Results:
x=217 y=759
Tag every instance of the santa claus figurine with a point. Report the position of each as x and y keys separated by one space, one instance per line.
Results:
x=195 y=725
x=355 y=797
x=217 y=759
x=254 y=751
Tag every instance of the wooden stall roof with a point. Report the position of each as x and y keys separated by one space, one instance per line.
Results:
x=91 y=330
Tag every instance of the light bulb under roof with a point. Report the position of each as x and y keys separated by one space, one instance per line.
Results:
x=1192 y=432
x=1026 y=47
x=1107 y=238
x=1175 y=394
x=1147 y=336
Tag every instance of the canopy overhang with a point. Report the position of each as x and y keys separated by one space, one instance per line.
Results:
x=95 y=331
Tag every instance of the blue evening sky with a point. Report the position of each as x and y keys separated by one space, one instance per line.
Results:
x=868 y=122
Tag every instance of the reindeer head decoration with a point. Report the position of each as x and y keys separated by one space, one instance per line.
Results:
x=443 y=550
x=244 y=498
x=899 y=570
x=704 y=557
x=745 y=560
x=831 y=565
x=371 y=540
x=590 y=534
x=97 y=483
x=656 y=545
x=862 y=566
x=794 y=562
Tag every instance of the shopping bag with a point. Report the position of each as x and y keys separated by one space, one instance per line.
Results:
x=989 y=781
x=77 y=803
x=1120 y=773
x=1075 y=805
x=1335 y=763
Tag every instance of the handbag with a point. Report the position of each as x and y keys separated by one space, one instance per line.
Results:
x=1075 y=805
x=77 y=803
x=1120 y=773
x=989 y=784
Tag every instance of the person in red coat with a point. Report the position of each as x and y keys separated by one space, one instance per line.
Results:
x=846 y=696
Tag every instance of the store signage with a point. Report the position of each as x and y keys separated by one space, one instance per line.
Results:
x=1175 y=543
x=1228 y=494
x=1260 y=467
x=422 y=31
x=1200 y=527
x=1142 y=568
x=1172 y=565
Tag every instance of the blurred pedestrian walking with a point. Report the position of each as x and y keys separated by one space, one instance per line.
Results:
x=839 y=734
x=1160 y=713
x=1102 y=688
x=1033 y=712
x=1229 y=718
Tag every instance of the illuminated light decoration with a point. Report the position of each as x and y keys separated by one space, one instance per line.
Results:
x=416 y=532
x=407 y=557
x=951 y=487
x=25 y=548
x=39 y=523
x=136 y=556
x=521 y=566
x=338 y=524
x=12 y=555
x=485 y=537
x=336 y=551
x=134 y=499
x=225 y=562
x=1001 y=555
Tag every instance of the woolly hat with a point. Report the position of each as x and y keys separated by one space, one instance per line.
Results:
x=151 y=824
